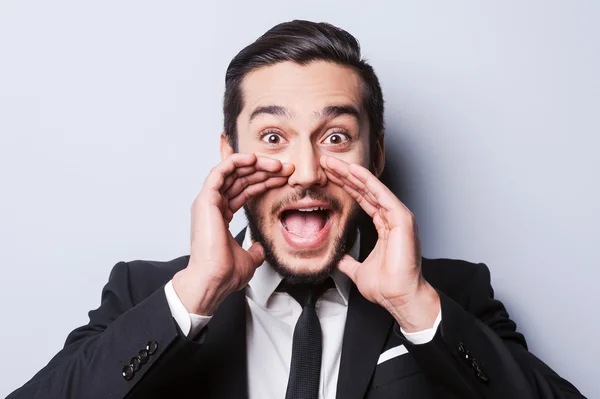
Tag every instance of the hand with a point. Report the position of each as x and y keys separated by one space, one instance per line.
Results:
x=218 y=265
x=391 y=275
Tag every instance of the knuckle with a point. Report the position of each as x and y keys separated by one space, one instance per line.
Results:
x=196 y=201
x=410 y=219
x=198 y=204
x=245 y=195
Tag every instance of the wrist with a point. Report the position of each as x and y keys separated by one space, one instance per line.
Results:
x=420 y=312
x=196 y=294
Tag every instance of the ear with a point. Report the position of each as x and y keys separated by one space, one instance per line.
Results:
x=226 y=148
x=378 y=163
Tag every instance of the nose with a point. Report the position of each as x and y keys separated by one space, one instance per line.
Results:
x=308 y=171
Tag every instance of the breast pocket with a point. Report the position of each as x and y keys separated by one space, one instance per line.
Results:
x=394 y=368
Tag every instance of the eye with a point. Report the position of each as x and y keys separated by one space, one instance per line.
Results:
x=272 y=138
x=337 y=138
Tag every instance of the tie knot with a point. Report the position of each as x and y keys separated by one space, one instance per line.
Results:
x=306 y=294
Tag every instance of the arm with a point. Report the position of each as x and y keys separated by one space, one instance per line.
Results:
x=477 y=352
x=92 y=361
x=474 y=353
x=102 y=359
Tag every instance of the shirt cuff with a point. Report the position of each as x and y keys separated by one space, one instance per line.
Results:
x=424 y=336
x=190 y=324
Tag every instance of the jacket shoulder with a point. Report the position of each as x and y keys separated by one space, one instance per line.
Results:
x=146 y=276
x=456 y=278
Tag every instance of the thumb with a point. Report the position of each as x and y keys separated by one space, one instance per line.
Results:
x=257 y=253
x=349 y=267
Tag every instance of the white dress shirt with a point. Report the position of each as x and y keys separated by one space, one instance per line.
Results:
x=270 y=321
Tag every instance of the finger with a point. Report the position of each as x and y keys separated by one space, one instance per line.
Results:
x=227 y=215
x=254 y=189
x=242 y=182
x=343 y=171
x=268 y=164
x=343 y=182
x=349 y=266
x=364 y=180
x=376 y=188
x=341 y=179
x=257 y=253
x=334 y=178
x=218 y=175
x=238 y=172
x=370 y=208
x=262 y=164
x=223 y=206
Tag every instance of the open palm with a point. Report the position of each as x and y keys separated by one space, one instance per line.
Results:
x=392 y=271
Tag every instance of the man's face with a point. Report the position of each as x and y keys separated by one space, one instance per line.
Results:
x=296 y=114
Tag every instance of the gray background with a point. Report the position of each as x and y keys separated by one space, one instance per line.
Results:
x=110 y=114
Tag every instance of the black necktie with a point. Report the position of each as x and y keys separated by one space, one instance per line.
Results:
x=307 y=346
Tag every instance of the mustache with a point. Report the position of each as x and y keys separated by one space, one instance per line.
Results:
x=312 y=193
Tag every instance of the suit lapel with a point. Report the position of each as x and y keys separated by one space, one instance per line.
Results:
x=367 y=327
x=225 y=345
x=366 y=330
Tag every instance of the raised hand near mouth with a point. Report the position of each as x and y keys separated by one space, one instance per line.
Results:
x=218 y=265
x=391 y=275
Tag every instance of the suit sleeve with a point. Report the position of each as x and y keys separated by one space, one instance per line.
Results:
x=109 y=357
x=477 y=353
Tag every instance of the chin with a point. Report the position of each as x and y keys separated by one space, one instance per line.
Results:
x=304 y=235
x=303 y=268
x=304 y=260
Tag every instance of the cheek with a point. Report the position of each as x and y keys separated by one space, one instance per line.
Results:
x=358 y=155
x=264 y=203
x=345 y=199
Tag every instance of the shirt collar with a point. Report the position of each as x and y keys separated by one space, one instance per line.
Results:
x=266 y=279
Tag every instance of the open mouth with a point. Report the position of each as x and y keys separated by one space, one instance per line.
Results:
x=305 y=222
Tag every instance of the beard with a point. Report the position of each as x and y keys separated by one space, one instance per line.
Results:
x=341 y=243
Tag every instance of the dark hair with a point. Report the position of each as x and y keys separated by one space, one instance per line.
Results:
x=301 y=42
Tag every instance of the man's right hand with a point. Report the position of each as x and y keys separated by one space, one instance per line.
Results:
x=218 y=265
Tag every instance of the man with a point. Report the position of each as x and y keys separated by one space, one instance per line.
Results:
x=326 y=294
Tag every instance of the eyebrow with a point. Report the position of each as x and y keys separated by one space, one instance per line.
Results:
x=276 y=110
x=338 y=110
x=328 y=112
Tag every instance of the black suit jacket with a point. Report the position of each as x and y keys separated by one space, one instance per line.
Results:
x=476 y=352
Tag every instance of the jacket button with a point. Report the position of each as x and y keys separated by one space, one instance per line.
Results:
x=136 y=363
x=151 y=347
x=461 y=348
x=128 y=372
x=143 y=356
x=482 y=376
x=478 y=370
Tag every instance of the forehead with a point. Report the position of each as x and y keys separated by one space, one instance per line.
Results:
x=301 y=88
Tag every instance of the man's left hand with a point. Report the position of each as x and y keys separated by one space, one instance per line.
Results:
x=391 y=275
